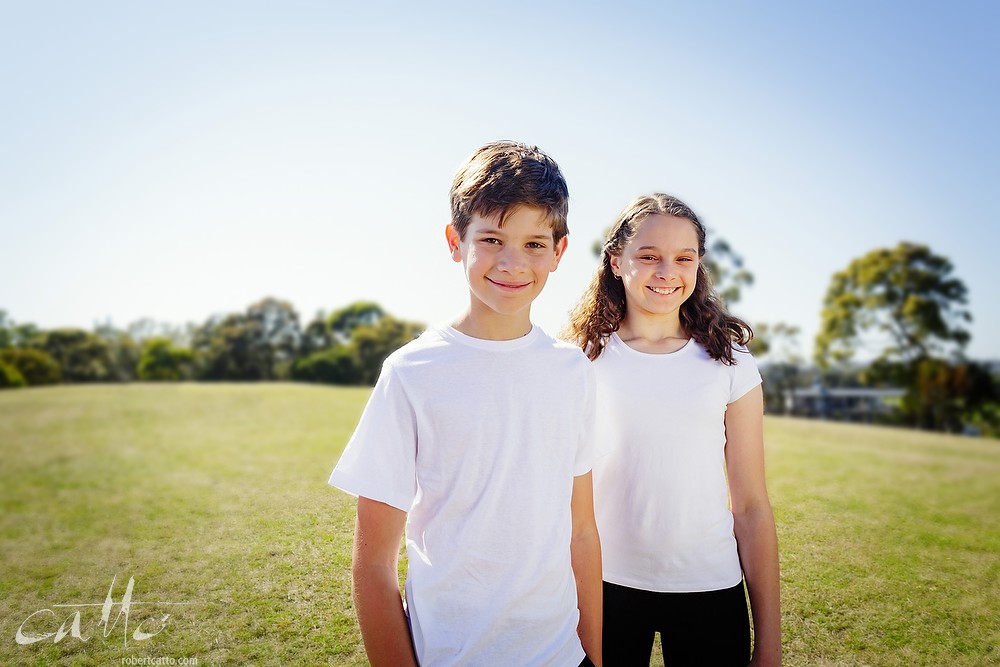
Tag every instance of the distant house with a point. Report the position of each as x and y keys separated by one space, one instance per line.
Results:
x=860 y=404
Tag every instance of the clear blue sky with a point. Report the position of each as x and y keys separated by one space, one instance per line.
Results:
x=174 y=160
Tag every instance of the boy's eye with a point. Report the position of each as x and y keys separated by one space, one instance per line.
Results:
x=490 y=239
x=535 y=245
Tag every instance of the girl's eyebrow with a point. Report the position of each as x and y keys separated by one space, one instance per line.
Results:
x=653 y=247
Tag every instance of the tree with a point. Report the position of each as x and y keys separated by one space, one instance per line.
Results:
x=902 y=303
x=943 y=396
x=349 y=346
x=82 y=356
x=726 y=268
x=225 y=349
x=162 y=361
x=777 y=342
x=257 y=345
x=277 y=335
x=906 y=308
x=145 y=328
x=316 y=336
x=342 y=323
x=373 y=343
x=124 y=351
x=6 y=324
x=13 y=334
x=777 y=346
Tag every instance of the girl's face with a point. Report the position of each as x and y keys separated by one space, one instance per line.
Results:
x=659 y=266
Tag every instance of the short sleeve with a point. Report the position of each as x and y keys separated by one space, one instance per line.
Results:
x=745 y=374
x=379 y=461
x=585 y=452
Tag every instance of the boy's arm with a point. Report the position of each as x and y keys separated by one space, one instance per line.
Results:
x=379 y=605
x=756 y=538
x=586 y=556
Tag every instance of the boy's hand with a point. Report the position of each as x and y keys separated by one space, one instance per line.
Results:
x=379 y=606
x=586 y=555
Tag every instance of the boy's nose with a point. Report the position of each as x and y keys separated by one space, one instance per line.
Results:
x=511 y=260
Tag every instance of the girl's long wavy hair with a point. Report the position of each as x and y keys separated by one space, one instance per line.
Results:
x=602 y=308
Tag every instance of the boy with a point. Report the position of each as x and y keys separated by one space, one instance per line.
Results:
x=476 y=440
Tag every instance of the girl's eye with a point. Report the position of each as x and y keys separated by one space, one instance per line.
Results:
x=648 y=258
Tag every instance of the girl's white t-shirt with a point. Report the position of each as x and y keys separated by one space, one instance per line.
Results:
x=660 y=492
x=479 y=442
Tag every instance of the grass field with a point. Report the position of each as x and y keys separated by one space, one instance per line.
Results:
x=215 y=496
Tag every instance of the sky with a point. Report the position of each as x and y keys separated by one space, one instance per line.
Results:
x=177 y=160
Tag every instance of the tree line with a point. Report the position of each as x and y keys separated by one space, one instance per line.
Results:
x=265 y=342
x=902 y=308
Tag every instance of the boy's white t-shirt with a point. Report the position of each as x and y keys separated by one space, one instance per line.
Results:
x=479 y=442
x=660 y=492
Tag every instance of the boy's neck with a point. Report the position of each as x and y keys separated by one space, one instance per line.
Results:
x=497 y=327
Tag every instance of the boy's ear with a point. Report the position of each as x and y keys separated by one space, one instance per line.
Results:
x=560 y=249
x=454 y=242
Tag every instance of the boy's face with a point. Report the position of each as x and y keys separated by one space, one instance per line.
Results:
x=506 y=267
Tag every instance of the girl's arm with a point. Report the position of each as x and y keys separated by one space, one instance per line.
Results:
x=756 y=537
x=586 y=555
x=384 y=629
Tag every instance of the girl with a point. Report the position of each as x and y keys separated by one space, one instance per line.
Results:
x=679 y=492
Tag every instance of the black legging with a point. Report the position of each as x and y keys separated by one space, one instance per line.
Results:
x=709 y=628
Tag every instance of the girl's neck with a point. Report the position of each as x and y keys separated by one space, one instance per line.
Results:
x=653 y=335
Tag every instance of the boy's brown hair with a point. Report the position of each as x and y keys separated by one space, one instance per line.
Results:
x=503 y=175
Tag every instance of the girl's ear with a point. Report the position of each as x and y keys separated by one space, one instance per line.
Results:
x=615 y=262
x=454 y=242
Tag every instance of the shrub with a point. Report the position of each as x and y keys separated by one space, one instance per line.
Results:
x=35 y=366
x=10 y=377
x=162 y=361
x=336 y=365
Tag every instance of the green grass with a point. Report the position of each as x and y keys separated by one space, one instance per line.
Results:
x=208 y=494
x=216 y=496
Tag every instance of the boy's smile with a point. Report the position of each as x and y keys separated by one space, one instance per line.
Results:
x=506 y=267
x=507 y=285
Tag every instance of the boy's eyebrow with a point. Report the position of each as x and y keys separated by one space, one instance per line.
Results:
x=496 y=230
